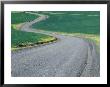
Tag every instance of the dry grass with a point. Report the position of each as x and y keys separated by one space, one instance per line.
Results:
x=17 y=26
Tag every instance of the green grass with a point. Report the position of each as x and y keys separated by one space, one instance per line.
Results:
x=84 y=24
x=70 y=23
x=23 y=39
x=93 y=37
x=89 y=37
x=21 y=17
x=20 y=39
x=68 y=12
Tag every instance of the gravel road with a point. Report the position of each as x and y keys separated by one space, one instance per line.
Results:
x=67 y=57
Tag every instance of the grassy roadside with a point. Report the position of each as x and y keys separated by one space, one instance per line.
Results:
x=17 y=26
x=79 y=24
x=71 y=23
x=89 y=37
x=22 y=39
x=82 y=24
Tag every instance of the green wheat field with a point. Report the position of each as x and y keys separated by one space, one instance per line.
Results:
x=84 y=24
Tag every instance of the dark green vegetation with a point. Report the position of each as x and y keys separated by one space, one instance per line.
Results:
x=21 y=17
x=23 y=39
x=71 y=22
x=68 y=12
x=79 y=23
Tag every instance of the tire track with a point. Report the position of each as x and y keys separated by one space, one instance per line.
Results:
x=68 y=57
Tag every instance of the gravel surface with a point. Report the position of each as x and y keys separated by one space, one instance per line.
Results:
x=68 y=57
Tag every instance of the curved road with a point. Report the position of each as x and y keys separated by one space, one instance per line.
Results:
x=68 y=57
